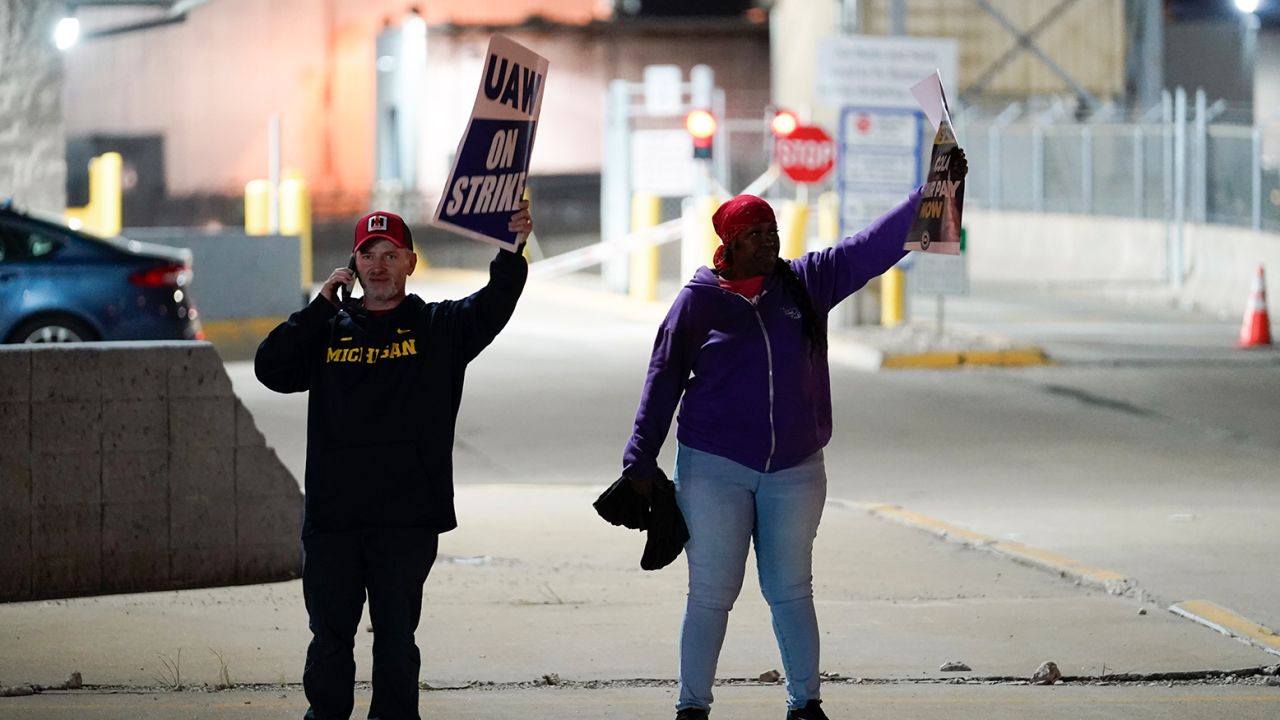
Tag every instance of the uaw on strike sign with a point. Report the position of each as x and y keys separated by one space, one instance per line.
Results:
x=489 y=173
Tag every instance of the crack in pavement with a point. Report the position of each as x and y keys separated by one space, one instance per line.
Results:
x=1260 y=675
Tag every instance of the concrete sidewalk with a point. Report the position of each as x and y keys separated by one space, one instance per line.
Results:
x=535 y=589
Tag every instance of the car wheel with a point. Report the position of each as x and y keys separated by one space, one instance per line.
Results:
x=53 y=330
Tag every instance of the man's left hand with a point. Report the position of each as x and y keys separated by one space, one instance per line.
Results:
x=521 y=223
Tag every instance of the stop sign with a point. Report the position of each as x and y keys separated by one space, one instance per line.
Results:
x=806 y=155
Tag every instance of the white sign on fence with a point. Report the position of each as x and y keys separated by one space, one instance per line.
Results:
x=934 y=274
x=662 y=162
x=875 y=71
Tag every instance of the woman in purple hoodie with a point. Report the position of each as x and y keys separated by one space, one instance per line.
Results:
x=743 y=353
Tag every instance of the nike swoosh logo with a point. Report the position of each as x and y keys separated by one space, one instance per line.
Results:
x=345 y=339
x=401 y=331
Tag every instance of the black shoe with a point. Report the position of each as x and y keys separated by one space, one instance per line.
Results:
x=811 y=711
x=692 y=713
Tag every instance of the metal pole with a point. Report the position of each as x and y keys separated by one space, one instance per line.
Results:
x=721 y=138
x=1200 y=160
x=899 y=17
x=1139 y=173
x=848 y=16
x=615 y=183
x=993 y=151
x=1086 y=168
x=1166 y=153
x=1256 y=220
x=1037 y=167
x=1146 y=51
x=702 y=85
x=1179 y=185
x=1011 y=112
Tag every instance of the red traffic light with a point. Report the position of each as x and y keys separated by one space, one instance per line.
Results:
x=784 y=123
x=701 y=124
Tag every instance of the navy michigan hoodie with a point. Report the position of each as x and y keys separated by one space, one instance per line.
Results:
x=384 y=396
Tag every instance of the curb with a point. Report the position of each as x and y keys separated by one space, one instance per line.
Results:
x=871 y=357
x=1013 y=357
x=1229 y=623
x=1202 y=612
x=1113 y=583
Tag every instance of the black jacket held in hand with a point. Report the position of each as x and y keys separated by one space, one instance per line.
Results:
x=385 y=391
x=656 y=513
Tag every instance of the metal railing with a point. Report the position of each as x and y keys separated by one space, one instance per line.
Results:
x=1175 y=163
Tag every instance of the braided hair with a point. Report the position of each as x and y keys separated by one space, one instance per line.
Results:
x=811 y=322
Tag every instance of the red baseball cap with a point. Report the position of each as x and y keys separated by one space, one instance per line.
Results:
x=385 y=225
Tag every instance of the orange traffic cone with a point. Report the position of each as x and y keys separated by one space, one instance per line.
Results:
x=1256 y=330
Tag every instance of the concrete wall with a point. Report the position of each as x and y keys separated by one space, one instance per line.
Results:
x=208 y=86
x=1221 y=261
x=128 y=467
x=1087 y=40
x=33 y=168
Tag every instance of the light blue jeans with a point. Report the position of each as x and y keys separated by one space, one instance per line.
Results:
x=726 y=506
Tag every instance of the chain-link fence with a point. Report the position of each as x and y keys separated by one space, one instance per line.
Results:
x=1179 y=166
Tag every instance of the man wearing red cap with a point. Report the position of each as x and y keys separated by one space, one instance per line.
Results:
x=385 y=376
x=743 y=354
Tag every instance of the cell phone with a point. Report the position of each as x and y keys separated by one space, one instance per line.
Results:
x=344 y=290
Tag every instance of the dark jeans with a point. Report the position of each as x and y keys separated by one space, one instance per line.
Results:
x=337 y=569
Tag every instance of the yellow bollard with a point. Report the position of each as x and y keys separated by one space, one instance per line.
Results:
x=646 y=212
x=105 y=193
x=295 y=219
x=792 y=227
x=257 y=207
x=892 y=297
x=828 y=218
x=102 y=215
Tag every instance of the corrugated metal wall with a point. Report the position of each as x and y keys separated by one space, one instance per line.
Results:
x=1087 y=41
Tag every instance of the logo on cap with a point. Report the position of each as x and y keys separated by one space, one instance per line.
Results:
x=377 y=222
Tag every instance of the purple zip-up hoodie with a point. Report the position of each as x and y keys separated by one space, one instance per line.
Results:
x=752 y=390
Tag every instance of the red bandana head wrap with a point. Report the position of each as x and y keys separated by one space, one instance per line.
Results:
x=736 y=215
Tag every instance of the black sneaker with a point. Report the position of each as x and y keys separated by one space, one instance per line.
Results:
x=692 y=713
x=811 y=711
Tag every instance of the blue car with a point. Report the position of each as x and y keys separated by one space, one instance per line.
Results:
x=60 y=285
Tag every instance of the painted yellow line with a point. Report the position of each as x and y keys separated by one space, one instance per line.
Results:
x=934 y=525
x=870 y=507
x=1112 y=582
x=1228 y=623
x=921 y=360
x=1014 y=357
x=1006 y=358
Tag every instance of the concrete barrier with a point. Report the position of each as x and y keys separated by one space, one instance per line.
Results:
x=1120 y=254
x=1123 y=253
x=1046 y=248
x=128 y=467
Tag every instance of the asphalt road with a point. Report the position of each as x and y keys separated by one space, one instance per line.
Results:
x=1152 y=450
